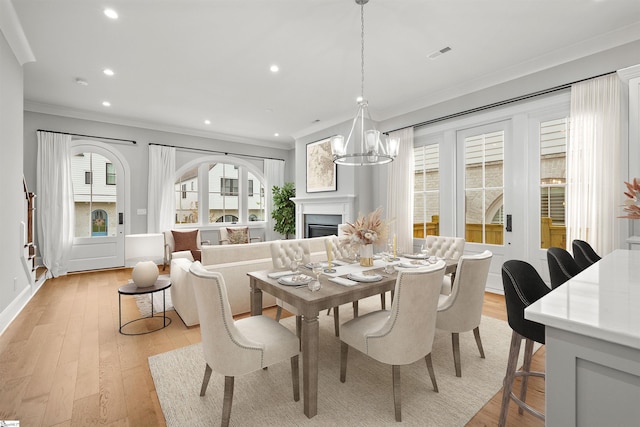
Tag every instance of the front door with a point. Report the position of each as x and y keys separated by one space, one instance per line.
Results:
x=98 y=187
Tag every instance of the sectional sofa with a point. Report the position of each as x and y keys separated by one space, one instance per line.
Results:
x=233 y=262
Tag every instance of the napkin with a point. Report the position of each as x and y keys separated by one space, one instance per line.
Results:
x=279 y=274
x=409 y=265
x=342 y=281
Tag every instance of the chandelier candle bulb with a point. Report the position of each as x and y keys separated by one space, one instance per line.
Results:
x=394 y=246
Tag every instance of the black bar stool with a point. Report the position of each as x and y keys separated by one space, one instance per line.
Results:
x=522 y=287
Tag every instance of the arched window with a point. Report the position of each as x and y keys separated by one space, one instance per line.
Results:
x=219 y=189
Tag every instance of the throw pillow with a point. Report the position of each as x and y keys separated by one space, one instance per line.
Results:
x=238 y=235
x=185 y=240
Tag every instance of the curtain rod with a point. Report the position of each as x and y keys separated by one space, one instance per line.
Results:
x=214 y=151
x=89 y=136
x=499 y=103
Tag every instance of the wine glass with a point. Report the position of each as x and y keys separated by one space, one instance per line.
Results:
x=297 y=261
x=424 y=250
x=316 y=268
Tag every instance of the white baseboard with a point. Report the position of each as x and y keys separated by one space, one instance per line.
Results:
x=9 y=314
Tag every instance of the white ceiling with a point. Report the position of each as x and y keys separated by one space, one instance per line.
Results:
x=179 y=62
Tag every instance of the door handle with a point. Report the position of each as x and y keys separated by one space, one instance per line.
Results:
x=508 y=228
x=120 y=218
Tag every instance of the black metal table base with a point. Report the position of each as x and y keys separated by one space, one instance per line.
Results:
x=166 y=321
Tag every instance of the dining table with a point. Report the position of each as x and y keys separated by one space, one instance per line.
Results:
x=331 y=294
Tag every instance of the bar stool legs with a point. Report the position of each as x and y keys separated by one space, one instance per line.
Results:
x=508 y=394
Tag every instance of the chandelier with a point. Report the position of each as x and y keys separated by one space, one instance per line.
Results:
x=364 y=145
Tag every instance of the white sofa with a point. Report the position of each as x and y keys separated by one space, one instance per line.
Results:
x=233 y=262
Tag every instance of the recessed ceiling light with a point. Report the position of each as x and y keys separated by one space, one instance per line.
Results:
x=274 y=68
x=207 y=122
x=106 y=103
x=110 y=13
x=359 y=99
x=82 y=82
x=276 y=134
x=108 y=72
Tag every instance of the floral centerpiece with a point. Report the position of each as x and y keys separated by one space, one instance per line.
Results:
x=363 y=233
x=632 y=203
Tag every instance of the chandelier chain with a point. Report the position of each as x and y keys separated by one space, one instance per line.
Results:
x=362 y=50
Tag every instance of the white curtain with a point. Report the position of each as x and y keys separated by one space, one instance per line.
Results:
x=161 y=202
x=274 y=176
x=594 y=185
x=55 y=211
x=400 y=192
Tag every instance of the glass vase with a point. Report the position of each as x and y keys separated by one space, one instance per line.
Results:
x=366 y=255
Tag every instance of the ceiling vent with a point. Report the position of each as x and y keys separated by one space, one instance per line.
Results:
x=434 y=55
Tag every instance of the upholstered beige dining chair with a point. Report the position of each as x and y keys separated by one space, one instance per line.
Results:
x=402 y=335
x=461 y=311
x=234 y=348
x=446 y=248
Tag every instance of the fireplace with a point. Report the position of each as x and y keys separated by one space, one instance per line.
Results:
x=318 y=225
x=323 y=214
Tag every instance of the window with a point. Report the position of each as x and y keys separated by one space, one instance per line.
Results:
x=229 y=186
x=484 y=187
x=187 y=200
x=110 y=178
x=94 y=198
x=228 y=193
x=553 y=174
x=426 y=191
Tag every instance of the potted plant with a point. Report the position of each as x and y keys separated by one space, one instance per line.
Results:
x=284 y=209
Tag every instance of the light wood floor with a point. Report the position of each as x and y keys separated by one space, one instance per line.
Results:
x=63 y=362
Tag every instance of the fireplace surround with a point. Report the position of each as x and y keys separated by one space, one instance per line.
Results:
x=323 y=213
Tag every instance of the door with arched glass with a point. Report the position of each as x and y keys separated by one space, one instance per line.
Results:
x=98 y=175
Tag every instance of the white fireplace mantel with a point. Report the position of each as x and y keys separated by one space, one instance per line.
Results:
x=326 y=205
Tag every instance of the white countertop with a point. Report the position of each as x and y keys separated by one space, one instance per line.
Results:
x=601 y=302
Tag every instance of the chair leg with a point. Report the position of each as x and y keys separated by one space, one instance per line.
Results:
x=526 y=367
x=344 y=351
x=355 y=309
x=336 y=320
x=278 y=313
x=295 y=377
x=509 y=377
x=205 y=380
x=455 y=343
x=228 y=400
x=432 y=373
x=476 y=333
x=299 y=331
x=383 y=300
x=397 y=403
x=328 y=311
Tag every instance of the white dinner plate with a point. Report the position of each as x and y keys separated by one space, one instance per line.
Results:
x=415 y=256
x=296 y=280
x=362 y=277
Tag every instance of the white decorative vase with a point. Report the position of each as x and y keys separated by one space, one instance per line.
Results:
x=145 y=274
x=366 y=255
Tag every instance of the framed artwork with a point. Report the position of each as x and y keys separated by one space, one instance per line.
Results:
x=322 y=173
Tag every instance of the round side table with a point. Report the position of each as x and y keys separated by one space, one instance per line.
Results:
x=162 y=284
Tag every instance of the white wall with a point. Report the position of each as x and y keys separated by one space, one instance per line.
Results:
x=15 y=284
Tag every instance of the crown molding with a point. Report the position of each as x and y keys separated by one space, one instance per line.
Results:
x=14 y=34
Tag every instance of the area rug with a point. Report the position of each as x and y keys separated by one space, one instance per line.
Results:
x=365 y=399
x=144 y=303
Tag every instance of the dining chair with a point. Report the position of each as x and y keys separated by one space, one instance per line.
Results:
x=461 y=311
x=283 y=253
x=522 y=287
x=446 y=248
x=239 y=347
x=562 y=266
x=584 y=254
x=402 y=335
